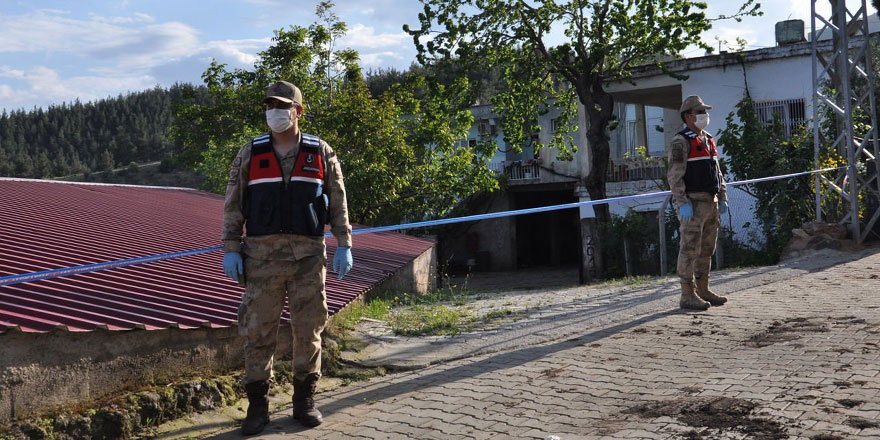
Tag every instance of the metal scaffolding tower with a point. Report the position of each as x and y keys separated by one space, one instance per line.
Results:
x=845 y=86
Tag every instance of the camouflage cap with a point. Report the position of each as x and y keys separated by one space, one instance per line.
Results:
x=284 y=91
x=693 y=102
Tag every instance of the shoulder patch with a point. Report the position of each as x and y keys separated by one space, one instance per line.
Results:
x=677 y=154
x=678 y=148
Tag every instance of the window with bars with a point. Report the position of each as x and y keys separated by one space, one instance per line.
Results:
x=791 y=112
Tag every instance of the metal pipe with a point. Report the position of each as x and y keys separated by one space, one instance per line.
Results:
x=816 y=124
x=661 y=222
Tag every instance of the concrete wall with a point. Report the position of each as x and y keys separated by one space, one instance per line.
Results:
x=418 y=276
x=495 y=237
x=41 y=372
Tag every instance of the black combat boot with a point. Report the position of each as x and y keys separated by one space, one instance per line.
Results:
x=258 y=407
x=304 y=401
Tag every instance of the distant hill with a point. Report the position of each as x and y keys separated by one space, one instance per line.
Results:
x=87 y=140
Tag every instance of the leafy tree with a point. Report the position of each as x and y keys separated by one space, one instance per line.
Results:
x=757 y=150
x=603 y=41
x=380 y=80
x=397 y=150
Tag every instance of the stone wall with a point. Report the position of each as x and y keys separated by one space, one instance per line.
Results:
x=43 y=372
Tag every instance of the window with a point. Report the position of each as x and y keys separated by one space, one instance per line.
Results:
x=791 y=112
x=486 y=127
x=465 y=143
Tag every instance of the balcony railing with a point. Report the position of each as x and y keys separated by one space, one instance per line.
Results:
x=629 y=172
x=517 y=170
x=625 y=172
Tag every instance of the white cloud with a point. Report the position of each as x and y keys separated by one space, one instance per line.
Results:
x=269 y=3
x=149 y=46
x=129 y=42
x=386 y=13
x=243 y=52
x=137 y=17
x=361 y=36
x=42 y=86
x=8 y=94
x=53 y=31
x=380 y=59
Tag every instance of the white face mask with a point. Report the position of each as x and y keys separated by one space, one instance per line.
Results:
x=702 y=121
x=278 y=119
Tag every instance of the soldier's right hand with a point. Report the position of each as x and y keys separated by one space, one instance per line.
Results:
x=686 y=212
x=233 y=265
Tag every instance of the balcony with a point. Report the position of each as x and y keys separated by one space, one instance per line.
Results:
x=635 y=170
x=518 y=169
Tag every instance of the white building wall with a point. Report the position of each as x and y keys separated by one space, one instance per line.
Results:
x=723 y=87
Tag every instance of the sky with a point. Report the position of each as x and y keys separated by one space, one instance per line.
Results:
x=58 y=51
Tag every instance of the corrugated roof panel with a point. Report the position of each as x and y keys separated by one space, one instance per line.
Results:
x=54 y=225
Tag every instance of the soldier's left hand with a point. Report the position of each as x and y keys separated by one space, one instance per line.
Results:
x=343 y=261
x=722 y=207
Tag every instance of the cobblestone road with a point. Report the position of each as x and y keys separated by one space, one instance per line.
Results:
x=795 y=357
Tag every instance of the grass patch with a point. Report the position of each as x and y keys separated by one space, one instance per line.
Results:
x=638 y=280
x=350 y=373
x=436 y=313
x=376 y=308
x=455 y=294
x=428 y=320
x=499 y=316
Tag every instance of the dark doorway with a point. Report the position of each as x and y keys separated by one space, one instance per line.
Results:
x=546 y=238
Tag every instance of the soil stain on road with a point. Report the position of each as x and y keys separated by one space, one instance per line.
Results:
x=714 y=413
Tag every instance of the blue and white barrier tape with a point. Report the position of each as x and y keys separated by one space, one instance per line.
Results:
x=67 y=271
x=565 y=206
x=75 y=270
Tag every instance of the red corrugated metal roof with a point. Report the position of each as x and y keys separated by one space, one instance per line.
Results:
x=50 y=225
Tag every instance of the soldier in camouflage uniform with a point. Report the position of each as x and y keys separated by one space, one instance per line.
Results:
x=283 y=187
x=700 y=193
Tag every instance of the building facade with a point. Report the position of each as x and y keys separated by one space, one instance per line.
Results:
x=778 y=79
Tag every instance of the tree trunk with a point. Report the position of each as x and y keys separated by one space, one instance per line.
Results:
x=599 y=107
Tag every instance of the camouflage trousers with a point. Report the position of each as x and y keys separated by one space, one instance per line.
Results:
x=269 y=282
x=698 y=237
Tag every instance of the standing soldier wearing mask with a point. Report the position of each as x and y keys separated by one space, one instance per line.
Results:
x=283 y=187
x=699 y=192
